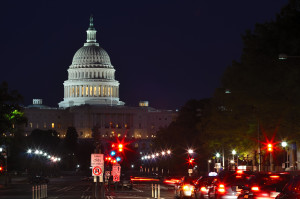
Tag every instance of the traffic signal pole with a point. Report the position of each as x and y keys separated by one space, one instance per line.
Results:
x=98 y=192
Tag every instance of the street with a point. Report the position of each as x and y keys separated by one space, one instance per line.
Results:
x=75 y=187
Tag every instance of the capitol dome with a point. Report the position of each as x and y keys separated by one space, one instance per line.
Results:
x=91 y=76
x=91 y=55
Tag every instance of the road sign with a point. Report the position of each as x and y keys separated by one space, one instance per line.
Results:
x=116 y=170
x=116 y=178
x=97 y=171
x=97 y=159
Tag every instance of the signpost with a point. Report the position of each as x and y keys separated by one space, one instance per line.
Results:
x=116 y=172
x=97 y=163
x=97 y=171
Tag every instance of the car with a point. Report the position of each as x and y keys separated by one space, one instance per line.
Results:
x=185 y=187
x=205 y=186
x=291 y=189
x=265 y=185
x=125 y=181
x=230 y=184
x=38 y=180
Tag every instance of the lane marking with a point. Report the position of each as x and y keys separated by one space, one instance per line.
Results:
x=138 y=190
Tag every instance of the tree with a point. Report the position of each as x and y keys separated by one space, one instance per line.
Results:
x=71 y=140
x=186 y=132
x=260 y=92
x=11 y=113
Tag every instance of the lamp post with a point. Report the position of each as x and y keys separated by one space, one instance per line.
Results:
x=284 y=145
x=208 y=165
x=233 y=153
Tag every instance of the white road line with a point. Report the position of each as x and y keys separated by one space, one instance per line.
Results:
x=137 y=190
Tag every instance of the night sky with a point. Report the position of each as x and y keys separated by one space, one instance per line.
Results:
x=166 y=52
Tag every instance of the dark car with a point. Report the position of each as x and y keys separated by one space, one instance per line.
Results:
x=38 y=180
x=265 y=185
x=231 y=183
x=291 y=189
x=205 y=186
x=125 y=181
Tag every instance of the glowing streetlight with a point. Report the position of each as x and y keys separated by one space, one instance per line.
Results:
x=163 y=153
x=218 y=155
x=284 y=144
x=29 y=151
x=169 y=152
x=190 y=151
x=233 y=152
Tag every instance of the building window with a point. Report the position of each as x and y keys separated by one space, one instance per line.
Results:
x=95 y=91
x=30 y=124
x=87 y=91
x=82 y=91
x=52 y=125
x=136 y=145
x=59 y=126
x=45 y=126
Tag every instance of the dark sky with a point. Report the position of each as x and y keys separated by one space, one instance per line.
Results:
x=164 y=51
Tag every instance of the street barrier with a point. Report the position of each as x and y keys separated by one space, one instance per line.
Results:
x=39 y=191
x=156 y=191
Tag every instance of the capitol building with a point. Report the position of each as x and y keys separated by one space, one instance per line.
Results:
x=91 y=101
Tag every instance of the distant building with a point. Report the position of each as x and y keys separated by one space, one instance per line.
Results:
x=91 y=100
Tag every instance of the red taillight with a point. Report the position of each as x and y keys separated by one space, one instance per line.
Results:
x=203 y=189
x=221 y=188
x=256 y=188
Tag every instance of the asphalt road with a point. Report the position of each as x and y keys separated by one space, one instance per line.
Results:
x=76 y=188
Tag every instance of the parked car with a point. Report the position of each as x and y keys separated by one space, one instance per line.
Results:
x=291 y=189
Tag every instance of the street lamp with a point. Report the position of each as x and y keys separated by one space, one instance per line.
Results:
x=283 y=56
x=284 y=145
x=190 y=151
x=208 y=165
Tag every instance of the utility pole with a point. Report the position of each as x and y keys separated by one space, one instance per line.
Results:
x=258 y=150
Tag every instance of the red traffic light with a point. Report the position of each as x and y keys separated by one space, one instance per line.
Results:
x=120 y=146
x=1 y=169
x=270 y=147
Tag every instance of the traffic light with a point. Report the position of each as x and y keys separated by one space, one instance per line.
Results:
x=112 y=153
x=270 y=147
x=118 y=159
x=120 y=147
x=191 y=161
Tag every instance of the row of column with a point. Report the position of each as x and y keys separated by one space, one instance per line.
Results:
x=80 y=75
x=91 y=91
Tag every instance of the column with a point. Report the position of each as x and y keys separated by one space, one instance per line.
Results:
x=80 y=90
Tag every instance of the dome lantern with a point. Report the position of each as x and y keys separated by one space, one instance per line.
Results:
x=91 y=34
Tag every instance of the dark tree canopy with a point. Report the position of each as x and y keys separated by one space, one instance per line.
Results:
x=71 y=140
x=11 y=114
x=261 y=93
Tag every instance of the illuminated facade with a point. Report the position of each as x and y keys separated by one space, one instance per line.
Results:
x=91 y=76
x=91 y=101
